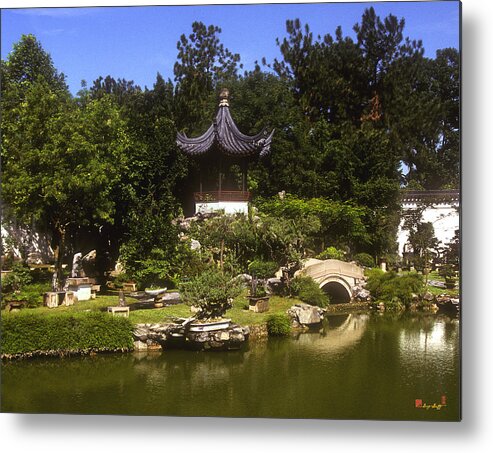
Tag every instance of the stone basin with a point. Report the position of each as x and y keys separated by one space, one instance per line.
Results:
x=155 y=292
x=210 y=326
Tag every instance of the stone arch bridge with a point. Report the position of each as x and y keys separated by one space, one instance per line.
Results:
x=337 y=278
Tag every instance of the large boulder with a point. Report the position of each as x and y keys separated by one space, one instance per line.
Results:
x=361 y=294
x=171 y=298
x=305 y=315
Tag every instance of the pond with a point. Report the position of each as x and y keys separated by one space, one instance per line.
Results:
x=358 y=366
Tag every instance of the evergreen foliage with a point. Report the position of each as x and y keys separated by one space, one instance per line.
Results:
x=263 y=269
x=364 y=259
x=212 y=292
x=308 y=291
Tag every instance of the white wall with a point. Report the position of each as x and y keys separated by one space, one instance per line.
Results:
x=229 y=207
x=444 y=216
x=37 y=245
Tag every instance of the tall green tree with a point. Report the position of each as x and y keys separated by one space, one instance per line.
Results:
x=203 y=64
x=27 y=63
x=60 y=165
x=59 y=162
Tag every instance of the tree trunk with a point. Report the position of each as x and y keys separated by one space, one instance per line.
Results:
x=221 y=254
x=59 y=252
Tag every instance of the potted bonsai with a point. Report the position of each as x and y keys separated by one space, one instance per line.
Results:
x=211 y=293
x=448 y=273
x=258 y=298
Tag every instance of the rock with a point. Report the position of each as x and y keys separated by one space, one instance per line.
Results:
x=306 y=314
x=436 y=283
x=223 y=336
x=140 y=334
x=428 y=296
x=244 y=278
x=362 y=294
x=237 y=337
x=171 y=298
x=140 y=346
x=195 y=245
x=156 y=336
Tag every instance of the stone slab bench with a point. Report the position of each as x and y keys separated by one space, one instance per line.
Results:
x=120 y=311
x=129 y=287
x=15 y=305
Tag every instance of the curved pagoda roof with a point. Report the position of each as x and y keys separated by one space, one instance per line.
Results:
x=224 y=135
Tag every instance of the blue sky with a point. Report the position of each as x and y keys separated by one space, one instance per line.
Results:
x=136 y=42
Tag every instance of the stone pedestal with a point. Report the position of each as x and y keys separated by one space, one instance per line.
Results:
x=258 y=304
x=81 y=286
x=54 y=299
x=51 y=300
x=69 y=298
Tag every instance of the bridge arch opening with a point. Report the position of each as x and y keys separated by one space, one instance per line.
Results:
x=337 y=292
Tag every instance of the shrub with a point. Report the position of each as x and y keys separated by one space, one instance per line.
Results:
x=26 y=332
x=263 y=269
x=447 y=271
x=32 y=294
x=154 y=270
x=364 y=259
x=17 y=279
x=120 y=279
x=307 y=290
x=332 y=253
x=391 y=288
x=212 y=292
x=279 y=325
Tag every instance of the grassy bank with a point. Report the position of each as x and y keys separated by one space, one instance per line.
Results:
x=239 y=313
x=87 y=327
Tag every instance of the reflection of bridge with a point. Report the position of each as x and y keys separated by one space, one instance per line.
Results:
x=342 y=332
x=336 y=278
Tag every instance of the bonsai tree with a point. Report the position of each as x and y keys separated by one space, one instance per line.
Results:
x=261 y=271
x=212 y=292
x=447 y=271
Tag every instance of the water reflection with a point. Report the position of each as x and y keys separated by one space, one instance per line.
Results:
x=338 y=333
x=355 y=366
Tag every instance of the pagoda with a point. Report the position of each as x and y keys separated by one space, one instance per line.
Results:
x=223 y=154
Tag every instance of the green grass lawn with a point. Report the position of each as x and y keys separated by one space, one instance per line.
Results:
x=239 y=313
x=440 y=291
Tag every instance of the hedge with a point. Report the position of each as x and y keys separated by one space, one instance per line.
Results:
x=60 y=334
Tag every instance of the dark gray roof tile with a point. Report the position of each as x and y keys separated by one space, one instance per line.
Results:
x=225 y=135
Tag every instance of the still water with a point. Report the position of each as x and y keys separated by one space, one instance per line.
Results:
x=359 y=366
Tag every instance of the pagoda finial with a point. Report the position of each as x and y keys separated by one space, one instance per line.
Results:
x=223 y=98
